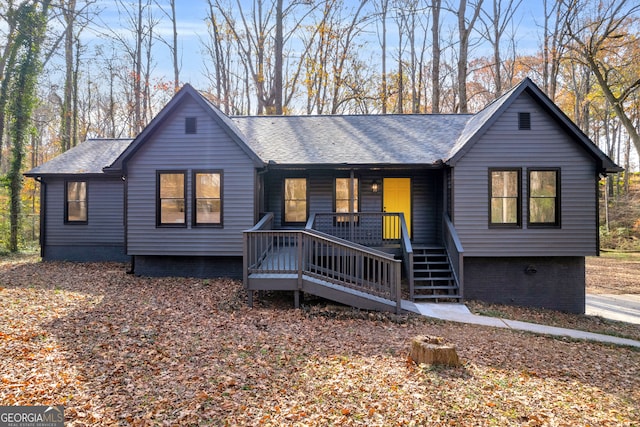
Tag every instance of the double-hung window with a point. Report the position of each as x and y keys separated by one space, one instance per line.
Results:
x=295 y=200
x=343 y=197
x=544 y=198
x=208 y=198
x=75 y=202
x=505 y=197
x=171 y=208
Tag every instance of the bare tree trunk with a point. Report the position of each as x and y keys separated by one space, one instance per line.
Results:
x=277 y=72
x=174 y=50
x=220 y=67
x=411 y=30
x=66 y=122
x=464 y=32
x=627 y=164
x=435 y=57
x=74 y=119
x=137 y=71
x=415 y=64
x=147 y=111
x=554 y=44
x=495 y=25
x=112 y=103
x=384 y=6
x=545 y=47
x=400 y=100
x=348 y=38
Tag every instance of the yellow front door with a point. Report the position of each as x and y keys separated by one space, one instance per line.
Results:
x=396 y=197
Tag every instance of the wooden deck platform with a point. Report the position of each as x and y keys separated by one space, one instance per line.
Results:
x=328 y=266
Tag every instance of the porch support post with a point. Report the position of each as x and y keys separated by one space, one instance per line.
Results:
x=296 y=299
x=299 y=252
x=299 y=256
x=398 y=279
x=245 y=267
x=352 y=205
x=461 y=276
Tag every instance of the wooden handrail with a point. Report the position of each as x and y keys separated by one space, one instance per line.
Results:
x=455 y=251
x=407 y=253
x=318 y=255
x=367 y=228
x=310 y=222
x=265 y=223
x=349 y=244
x=451 y=229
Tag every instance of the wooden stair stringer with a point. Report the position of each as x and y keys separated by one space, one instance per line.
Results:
x=346 y=295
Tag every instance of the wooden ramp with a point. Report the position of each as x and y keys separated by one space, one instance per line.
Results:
x=322 y=289
x=325 y=266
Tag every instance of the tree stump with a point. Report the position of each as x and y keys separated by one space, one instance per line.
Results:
x=433 y=351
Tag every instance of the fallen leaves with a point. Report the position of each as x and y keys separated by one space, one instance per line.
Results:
x=609 y=274
x=119 y=349
x=555 y=318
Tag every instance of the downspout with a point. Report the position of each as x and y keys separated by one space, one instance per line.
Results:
x=599 y=176
x=125 y=203
x=125 y=222
x=259 y=198
x=43 y=220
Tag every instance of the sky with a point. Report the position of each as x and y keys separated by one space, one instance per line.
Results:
x=192 y=29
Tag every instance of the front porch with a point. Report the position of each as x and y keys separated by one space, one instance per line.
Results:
x=365 y=260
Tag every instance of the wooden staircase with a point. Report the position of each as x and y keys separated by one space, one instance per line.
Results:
x=433 y=276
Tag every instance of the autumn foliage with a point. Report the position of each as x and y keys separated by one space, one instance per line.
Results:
x=116 y=349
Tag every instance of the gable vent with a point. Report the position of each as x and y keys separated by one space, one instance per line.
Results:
x=524 y=121
x=190 y=125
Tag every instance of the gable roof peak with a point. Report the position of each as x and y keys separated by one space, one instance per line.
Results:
x=484 y=119
x=214 y=112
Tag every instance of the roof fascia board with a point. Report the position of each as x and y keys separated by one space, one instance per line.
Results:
x=78 y=175
x=359 y=166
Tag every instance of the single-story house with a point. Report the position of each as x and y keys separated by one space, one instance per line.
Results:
x=370 y=210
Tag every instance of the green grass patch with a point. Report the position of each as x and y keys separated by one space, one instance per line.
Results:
x=629 y=256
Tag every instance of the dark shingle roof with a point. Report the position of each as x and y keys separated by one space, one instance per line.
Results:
x=89 y=157
x=380 y=139
x=328 y=140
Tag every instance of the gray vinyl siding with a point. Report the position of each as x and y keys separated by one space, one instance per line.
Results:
x=546 y=145
x=319 y=191
x=169 y=148
x=427 y=207
x=426 y=197
x=104 y=222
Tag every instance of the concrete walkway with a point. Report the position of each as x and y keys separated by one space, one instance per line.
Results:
x=624 y=308
x=460 y=313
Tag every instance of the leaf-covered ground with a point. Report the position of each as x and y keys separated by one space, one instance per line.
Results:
x=116 y=349
x=611 y=273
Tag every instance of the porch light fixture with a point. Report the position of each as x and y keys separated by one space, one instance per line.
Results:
x=374 y=186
